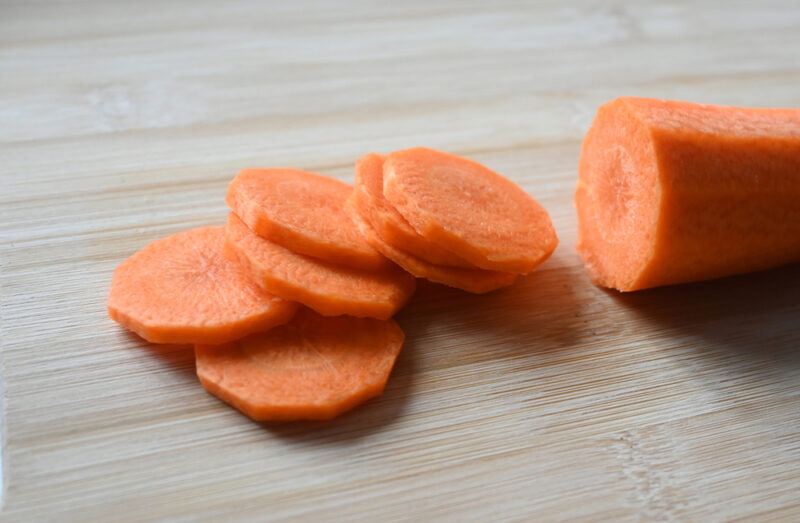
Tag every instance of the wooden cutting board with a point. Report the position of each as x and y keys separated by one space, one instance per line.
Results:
x=551 y=400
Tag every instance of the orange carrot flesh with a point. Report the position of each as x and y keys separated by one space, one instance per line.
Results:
x=327 y=288
x=468 y=209
x=303 y=212
x=673 y=192
x=368 y=199
x=312 y=368
x=182 y=289
x=477 y=281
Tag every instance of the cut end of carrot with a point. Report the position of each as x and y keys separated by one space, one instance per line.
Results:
x=183 y=289
x=617 y=197
x=312 y=368
x=469 y=209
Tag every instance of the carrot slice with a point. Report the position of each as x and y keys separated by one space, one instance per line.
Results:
x=325 y=287
x=672 y=192
x=468 y=209
x=478 y=281
x=312 y=368
x=182 y=289
x=388 y=223
x=303 y=212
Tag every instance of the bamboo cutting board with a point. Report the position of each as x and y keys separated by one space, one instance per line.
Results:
x=551 y=400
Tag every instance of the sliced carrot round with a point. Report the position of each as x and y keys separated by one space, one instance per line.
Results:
x=303 y=212
x=478 y=281
x=312 y=368
x=327 y=288
x=388 y=223
x=182 y=289
x=468 y=209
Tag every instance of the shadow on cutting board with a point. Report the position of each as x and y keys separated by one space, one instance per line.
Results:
x=445 y=327
x=750 y=323
x=753 y=316
x=538 y=314
x=539 y=306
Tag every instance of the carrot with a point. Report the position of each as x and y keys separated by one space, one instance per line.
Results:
x=327 y=288
x=478 y=281
x=468 y=209
x=182 y=289
x=312 y=368
x=303 y=212
x=368 y=200
x=672 y=192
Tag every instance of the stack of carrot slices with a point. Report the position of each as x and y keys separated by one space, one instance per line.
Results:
x=289 y=305
x=449 y=220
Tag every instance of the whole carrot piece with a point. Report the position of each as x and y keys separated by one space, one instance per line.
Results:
x=672 y=192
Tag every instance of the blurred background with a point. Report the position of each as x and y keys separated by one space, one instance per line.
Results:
x=255 y=80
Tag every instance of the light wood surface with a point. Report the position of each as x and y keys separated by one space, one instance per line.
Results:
x=553 y=400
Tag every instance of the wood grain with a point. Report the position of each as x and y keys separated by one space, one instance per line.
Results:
x=551 y=400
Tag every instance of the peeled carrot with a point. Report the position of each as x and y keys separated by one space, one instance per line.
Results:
x=182 y=289
x=478 y=281
x=468 y=209
x=368 y=200
x=673 y=192
x=327 y=288
x=312 y=368
x=303 y=212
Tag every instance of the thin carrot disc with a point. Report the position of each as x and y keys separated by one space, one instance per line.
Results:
x=303 y=212
x=388 y=223
x=478 y=281
x=327 y=288
x=468 y=209
x=182 y=289
x=312 y=368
